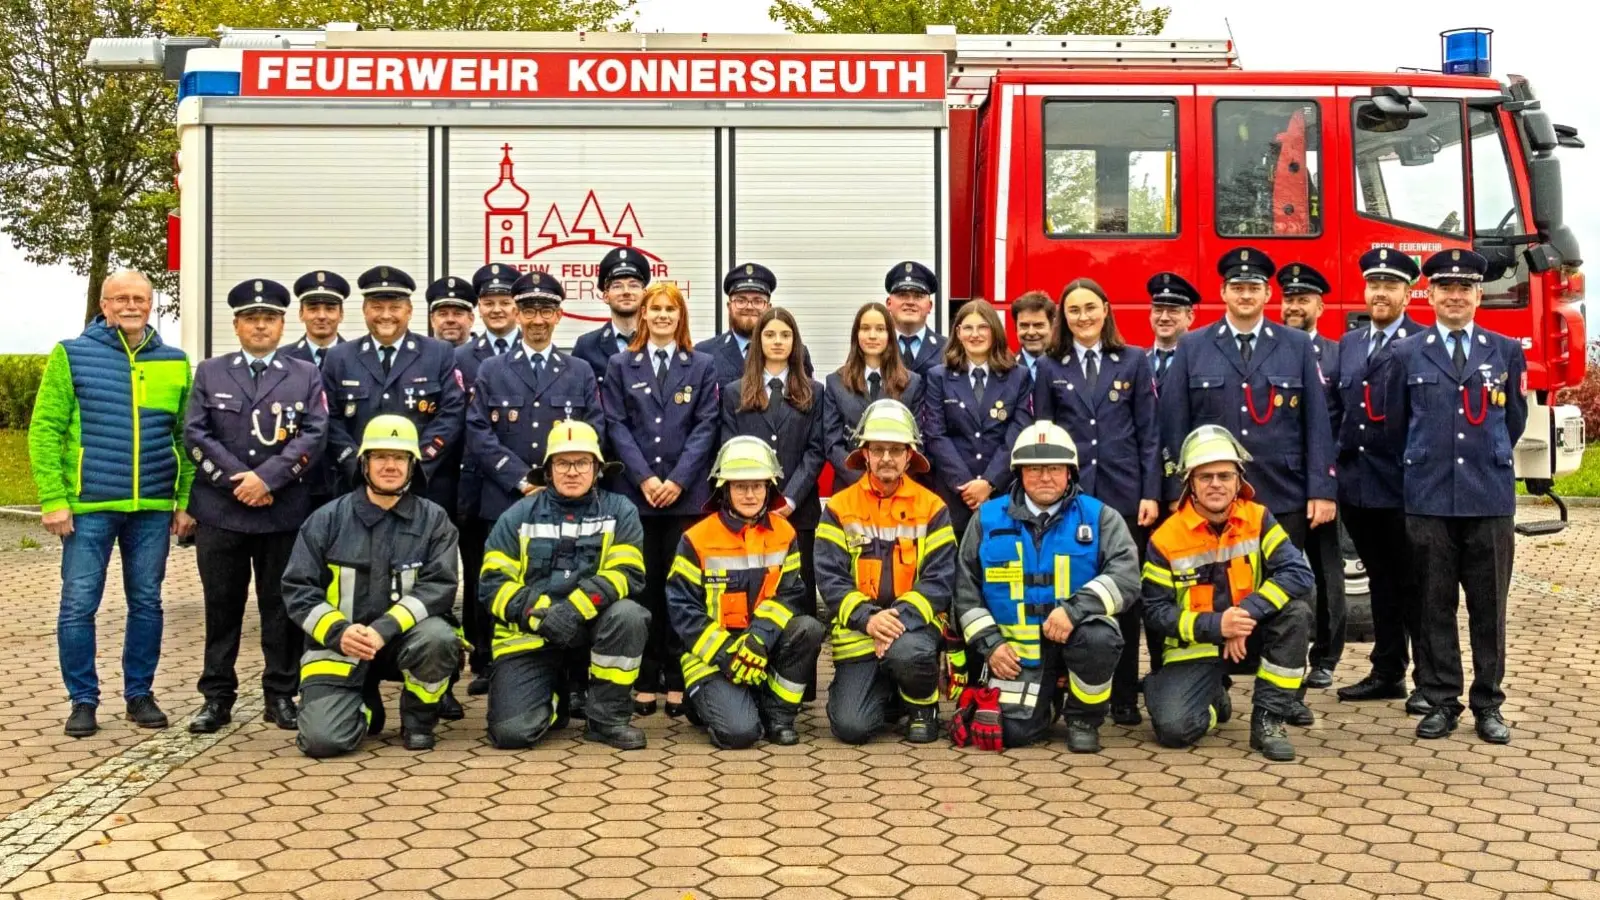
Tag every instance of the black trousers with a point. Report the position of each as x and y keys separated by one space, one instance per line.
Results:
x=1381 y=542
x=226 y=560
x=662 y=669
x=475 y=621
x=1474 y=554
x=1327 y=564
x=807 y=539
x=1125 y=683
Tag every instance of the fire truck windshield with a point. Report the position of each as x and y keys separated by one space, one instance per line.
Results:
x=1411 y=173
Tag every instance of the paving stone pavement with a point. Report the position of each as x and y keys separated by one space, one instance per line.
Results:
x=1367 y=811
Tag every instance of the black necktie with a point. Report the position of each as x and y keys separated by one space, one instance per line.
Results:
x=316 y=356
x=499 y=346
x=775 y=386
x=1091 y=370
x=1245 y=340
x=1163 y=359
x=538 y=365
x=1459 y=357
x=979 y=379
x=874 y=386
x=256 y=368
x=386 y=356
x=905 y=348
x=661 y=366
x=1378 y=340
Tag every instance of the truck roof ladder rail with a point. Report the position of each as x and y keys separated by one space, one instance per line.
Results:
x=979 y=57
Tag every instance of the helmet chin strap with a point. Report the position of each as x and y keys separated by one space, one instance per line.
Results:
x=366 y=475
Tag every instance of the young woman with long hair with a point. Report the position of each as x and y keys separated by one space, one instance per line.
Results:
x=873 y=370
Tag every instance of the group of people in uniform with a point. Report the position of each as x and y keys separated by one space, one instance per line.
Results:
x=637 y=521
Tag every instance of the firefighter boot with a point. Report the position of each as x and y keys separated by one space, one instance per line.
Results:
x=777 y=721
x=1083 y=734
x=923 y=726
x=1268 y=735
x=607 y=723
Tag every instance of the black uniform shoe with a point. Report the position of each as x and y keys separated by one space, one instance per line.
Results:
x=211 y=718
x=1438 y=723
x=622 y=737
x=578 y=704
x=674 y=710
x=1301 y=715
x=1083 y=736
x=1319 y=678
x=1493 y=728
x=1418 y=705
x=1268 y=735
x=281 y=712
x=81 y=723
x=1372 y=688
x=644 y=707
x=417 y=740
x=782 y=733
x=143 y=712
x=450 y=708
x=479 y=684
x=923 y=725
x=1125 y=714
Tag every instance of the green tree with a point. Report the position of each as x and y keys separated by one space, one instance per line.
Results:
x=969 y=16
x=201 y=17
x=85 y=158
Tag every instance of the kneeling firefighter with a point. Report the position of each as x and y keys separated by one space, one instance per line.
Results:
x=1228 y=592
x=732 y=596
x=371 y=581
x=1043 y=574
x=558 y=571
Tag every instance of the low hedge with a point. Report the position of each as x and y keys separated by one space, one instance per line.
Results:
x=19 y=386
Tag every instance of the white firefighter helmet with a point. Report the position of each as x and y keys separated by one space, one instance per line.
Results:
x=746 y=458
x=1044 y=443
x=1210 y=444
x=891 y=422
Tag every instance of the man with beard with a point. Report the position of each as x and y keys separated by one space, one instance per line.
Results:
x=624 y=273
x=749 y=289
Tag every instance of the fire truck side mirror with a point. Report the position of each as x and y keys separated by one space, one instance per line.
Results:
x=1391 y=109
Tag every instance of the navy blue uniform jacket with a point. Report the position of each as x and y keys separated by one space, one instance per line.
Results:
x=666 y=431
x=1114 y=427
x=970 y=437
x=1368 y=454
x=841 y=413
x=796 y=435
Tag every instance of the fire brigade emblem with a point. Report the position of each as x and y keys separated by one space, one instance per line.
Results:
x=451 y=284
x=384 y=273
x=258 y=289
x=1383 y=254
x=321 y=277
x=749 y=269
x=1455 y=255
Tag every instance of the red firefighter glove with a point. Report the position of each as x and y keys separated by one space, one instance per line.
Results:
x=748 y=665
x=986 y=734
x=961 y=722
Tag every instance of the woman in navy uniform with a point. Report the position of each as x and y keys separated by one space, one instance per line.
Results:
x=1456 y=400
x=973 y=408
x=661 y=409
x=873 y=370
x=256 y=427
x=1100 y=390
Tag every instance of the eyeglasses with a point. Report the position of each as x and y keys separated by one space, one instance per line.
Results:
x=573 y=466
x=127 y=300
x=546 y=313
x=750 y=303
x=893 y=451
x=973 y=330
x=1082 y=312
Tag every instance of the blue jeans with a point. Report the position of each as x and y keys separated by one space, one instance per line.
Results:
x=85 y=554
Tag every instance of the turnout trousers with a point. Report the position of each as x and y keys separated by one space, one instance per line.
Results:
x=1453 y=555
x=1086 y=663
x=734 y=714
x=338 y=693
x=524 y=687
x=860 y=700
x=1183 y=697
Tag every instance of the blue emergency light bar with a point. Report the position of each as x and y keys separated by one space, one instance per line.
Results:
x=1466 y=51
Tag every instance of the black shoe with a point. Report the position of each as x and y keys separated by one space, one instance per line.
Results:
x=1418 y=705
x=1224 y=706
x=479 y=684
x=81 y=723
x=281 y=712
x=782 y=733
x=143 y=712
x=578 y=704
x=417 y=740
x=622 y=737
x=1493 y=728
x=1300 y=715
x=1125 y=714
x=1083 y=735
x=674 y=710
x=211 y=718
x=450 y=708
x=1438 y=723
x=1320 y=678
x=644 y=707
x=1268 y=736
x=376 y=717
x=1372 y=688
x=923 y=725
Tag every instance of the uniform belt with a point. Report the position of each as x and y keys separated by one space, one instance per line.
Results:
x=1038 y=609
x=1039 y=579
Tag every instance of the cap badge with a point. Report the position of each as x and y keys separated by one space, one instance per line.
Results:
x=450 y=283
x=749 y=269
x=321 y=277
x=1455 y=254
x=1296 y=272
x=1383 y=254
x=1455 y=268
x=1165 y=279
x=1244 y=255
x=383 y=272
x=622 y=254
x=494 y=269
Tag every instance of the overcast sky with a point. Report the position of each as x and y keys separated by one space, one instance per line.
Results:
x=1377 y=35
